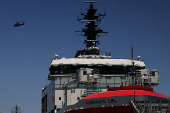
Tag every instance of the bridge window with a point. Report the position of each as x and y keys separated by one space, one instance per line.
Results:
x=153 y=73
x=102 y=69
x=108 y=77
x=73 y=91
x=84 y=72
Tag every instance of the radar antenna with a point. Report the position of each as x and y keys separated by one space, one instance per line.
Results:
x=91 y=30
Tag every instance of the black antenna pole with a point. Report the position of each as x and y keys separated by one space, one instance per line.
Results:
x=17 y=109
x=133 y=72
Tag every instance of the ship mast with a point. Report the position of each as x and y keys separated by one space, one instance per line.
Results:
x=133 y=72
x=91 y=30
x=17 y=109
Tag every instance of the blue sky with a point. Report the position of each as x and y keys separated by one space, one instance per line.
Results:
x=50 y=25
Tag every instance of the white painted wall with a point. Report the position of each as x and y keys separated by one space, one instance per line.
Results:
x=50 y=94
x=72 y=97
x=60 y=81
x=59 y=93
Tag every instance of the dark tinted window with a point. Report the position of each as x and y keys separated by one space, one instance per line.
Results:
x=153 y=73
x=84 y=72
x=102 y=69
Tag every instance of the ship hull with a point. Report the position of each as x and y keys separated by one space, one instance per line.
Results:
x=114 y=101
x=117 y=109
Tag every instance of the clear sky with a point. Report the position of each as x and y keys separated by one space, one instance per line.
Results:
x=50 y=25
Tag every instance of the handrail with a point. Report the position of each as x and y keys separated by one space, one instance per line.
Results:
x=134 y=108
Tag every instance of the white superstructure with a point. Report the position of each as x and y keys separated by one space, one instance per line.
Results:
x=108 y=62
x=66 y=88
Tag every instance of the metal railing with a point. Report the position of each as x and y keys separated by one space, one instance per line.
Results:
x=105 y=53
x=88 y=92
x=151 y=106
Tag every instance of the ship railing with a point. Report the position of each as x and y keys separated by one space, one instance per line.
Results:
x=88 y=92
x=105 y=53
x=134 y=107
x=150 y=106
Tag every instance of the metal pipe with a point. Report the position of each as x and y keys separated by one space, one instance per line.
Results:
x=150 y=107
x=154 y=106
x=160 y=106
x=168 y=105
x=133 y=74
x=66 y=96
x=144 y=106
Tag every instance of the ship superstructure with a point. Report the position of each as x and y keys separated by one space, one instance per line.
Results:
x=85 y=82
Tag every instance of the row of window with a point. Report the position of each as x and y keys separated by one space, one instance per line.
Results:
x=102 y=69
x=73 y=91
x=105 y=78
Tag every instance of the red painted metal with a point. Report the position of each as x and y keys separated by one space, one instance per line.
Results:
x=130 y=87
x=124 y=93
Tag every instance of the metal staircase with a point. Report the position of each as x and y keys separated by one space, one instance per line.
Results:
x=150 y=107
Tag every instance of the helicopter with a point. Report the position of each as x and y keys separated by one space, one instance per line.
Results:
x=18 y=24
